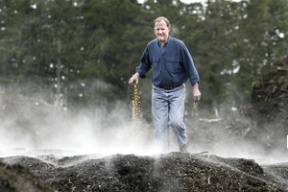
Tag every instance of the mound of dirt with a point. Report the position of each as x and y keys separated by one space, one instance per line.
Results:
x=270 y=94
x=174 y=172
x=18 y=178
x=269 y=107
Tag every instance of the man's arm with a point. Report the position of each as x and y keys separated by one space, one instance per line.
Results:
x=142 y=69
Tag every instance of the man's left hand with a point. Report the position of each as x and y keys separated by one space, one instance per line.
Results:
x=196 y=92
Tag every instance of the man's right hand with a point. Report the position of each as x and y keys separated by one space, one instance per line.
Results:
x=134 y=78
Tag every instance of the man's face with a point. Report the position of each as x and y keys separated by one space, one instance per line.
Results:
x=161 y=31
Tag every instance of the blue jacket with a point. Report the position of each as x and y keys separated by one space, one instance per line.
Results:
x=172 y=64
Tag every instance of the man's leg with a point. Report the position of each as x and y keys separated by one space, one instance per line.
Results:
x=160 y=118
x=176 y=116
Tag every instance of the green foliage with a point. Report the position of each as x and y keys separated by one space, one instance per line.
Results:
x=86 y=50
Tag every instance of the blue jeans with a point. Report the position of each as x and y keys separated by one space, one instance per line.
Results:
x=168 y=111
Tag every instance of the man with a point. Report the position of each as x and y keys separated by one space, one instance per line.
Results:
x=172 y=66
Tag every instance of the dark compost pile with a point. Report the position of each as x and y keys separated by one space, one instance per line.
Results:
x=172 y=172
x=269 y=99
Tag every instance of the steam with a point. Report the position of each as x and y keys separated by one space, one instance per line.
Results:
x=96 y=131
x=30 y=127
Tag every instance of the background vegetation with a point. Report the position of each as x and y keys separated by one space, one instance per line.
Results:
x=81 y=53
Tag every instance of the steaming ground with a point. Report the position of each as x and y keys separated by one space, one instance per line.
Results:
x=40 y=129
x=174 y=172
x=29 y=124
x=45 y=149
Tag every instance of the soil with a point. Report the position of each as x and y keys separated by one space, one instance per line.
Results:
x=174 y=172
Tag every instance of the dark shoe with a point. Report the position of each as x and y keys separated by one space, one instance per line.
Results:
x=183 y=148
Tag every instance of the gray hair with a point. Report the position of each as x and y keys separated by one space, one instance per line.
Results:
x=158 y=19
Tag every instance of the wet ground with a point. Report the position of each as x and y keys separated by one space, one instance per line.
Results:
x=173 y=172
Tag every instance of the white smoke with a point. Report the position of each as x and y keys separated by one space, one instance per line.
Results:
x=96 y=131
x=29 y=127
